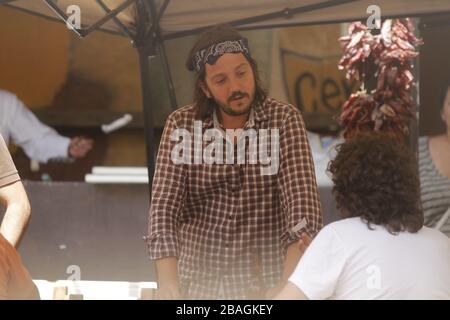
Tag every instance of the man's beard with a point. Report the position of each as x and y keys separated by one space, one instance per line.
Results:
x=227 y=109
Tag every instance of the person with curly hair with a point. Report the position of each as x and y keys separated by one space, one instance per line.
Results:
x=381 y=248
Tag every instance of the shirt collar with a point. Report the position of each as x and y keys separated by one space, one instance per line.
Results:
x=249 y=124
x=257 y=114
x=261 y=111
x=208 y=121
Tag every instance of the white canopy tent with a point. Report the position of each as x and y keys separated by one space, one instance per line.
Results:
x=180 y=16
x=148 y=23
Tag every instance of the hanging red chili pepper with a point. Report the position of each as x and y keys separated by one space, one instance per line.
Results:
x=388 y=56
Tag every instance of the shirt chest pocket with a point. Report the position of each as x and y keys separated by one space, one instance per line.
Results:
x=206 y=179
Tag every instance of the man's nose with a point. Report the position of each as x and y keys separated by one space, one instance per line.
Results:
x=235 y=85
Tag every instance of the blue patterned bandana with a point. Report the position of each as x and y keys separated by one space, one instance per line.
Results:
x=211 y=54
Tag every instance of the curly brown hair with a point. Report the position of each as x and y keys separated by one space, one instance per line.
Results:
x=375 y=177
x=216 y=34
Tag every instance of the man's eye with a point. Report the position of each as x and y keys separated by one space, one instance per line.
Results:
x=242 y=73
x=221 y=81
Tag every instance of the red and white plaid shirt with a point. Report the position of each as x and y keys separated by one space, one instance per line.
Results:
x=228 y=225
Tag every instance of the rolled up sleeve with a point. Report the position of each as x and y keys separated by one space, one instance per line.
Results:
x=297 y=182
x=168 y=197
x=8 y=171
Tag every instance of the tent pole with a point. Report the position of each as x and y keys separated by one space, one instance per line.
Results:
x=156 y=17
x=145 y=46
x=168 y=76
x=149 y=130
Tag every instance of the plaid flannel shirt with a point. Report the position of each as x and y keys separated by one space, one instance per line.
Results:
x=228 y=225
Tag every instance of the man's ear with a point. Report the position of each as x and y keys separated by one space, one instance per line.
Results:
x=205 y=89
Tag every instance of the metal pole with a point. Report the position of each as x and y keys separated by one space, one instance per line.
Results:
x=116 y=20
x=145 y=46
x=168 y=76
x=149 y=130
x=156 y=17
x=286 y=13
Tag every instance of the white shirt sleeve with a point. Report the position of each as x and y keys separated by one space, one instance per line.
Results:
x=38 y=141
x=318 y=271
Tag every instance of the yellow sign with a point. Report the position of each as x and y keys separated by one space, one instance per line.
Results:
x=315 y=84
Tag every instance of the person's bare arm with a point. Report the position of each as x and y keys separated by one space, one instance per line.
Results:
x=291 y=292
x=293 y=256
x=18 y=211
x=294 y=253
x=168 y=284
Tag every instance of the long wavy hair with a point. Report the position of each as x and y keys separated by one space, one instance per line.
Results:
x=219 y=33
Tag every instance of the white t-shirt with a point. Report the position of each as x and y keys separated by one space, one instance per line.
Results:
x=346 y=260
x=21 y=127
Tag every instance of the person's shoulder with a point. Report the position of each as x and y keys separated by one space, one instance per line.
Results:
x=182 y=115
x=11 y=104
x=354 y=222
x=435 y=235
x=347 y=226
x=276 y=106
x=336 y=233
x=6 y=96
x=281 y=112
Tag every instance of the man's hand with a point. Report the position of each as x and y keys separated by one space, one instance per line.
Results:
x=168 y=291
x=79 y=147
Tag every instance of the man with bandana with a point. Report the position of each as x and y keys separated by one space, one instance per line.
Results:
x=228 y=230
